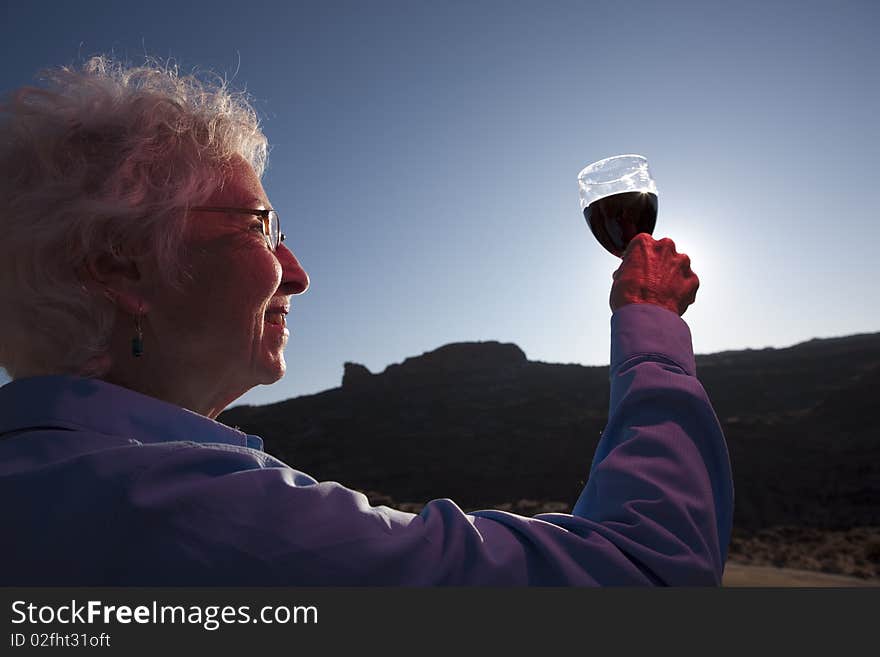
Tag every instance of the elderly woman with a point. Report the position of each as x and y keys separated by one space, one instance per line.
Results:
x=145 y=283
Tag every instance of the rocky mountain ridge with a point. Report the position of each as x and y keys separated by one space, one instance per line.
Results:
x=481 y=424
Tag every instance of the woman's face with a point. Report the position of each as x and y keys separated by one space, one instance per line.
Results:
x=219 y=329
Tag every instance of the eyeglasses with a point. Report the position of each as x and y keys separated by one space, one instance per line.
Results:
x=271 y=223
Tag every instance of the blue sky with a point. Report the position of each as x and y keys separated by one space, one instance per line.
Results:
x=424 y=159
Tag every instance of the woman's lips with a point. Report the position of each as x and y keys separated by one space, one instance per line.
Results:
x=276 y=317
x=276 y=322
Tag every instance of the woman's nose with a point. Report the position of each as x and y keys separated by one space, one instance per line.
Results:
x=294 y=279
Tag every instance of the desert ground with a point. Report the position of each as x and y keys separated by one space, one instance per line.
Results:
x=739 y=574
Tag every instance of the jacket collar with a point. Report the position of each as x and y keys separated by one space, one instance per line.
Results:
x=72 y=402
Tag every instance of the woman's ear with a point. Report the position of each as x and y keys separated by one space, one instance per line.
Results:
x=118 y=278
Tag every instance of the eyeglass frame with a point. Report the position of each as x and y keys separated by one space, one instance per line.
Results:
x=265 y=215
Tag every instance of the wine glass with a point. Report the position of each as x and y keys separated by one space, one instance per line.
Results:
x=619 y=200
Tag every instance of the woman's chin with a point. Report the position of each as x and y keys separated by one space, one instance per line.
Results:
x=274 y=367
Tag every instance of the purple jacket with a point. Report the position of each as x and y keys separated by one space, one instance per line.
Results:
x=100 y=485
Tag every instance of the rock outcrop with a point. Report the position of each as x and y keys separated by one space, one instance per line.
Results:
x=480 y=423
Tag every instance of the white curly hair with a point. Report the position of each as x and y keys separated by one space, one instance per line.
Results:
x=103 y=159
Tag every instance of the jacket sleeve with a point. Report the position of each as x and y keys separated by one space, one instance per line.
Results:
x=660 y=486
x=656 y=508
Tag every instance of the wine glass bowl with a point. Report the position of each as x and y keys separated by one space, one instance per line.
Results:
x=618 y=197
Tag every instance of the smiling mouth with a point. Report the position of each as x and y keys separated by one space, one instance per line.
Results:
x=276 y=318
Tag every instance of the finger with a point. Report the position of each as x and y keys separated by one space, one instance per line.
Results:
x=695 y=283
x=685 y=265
x=642 y=239
x=639 y=241
x=667 y=243
x=691 y=298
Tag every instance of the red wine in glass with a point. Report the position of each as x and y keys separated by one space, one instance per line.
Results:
x=618 y=199
x=616 y=219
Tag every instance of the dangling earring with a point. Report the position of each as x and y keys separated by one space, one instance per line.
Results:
x=137 y=342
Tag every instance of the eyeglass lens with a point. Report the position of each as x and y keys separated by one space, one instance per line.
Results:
x=274 y=230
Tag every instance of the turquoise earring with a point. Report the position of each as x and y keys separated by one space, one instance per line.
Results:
x=137 y=342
